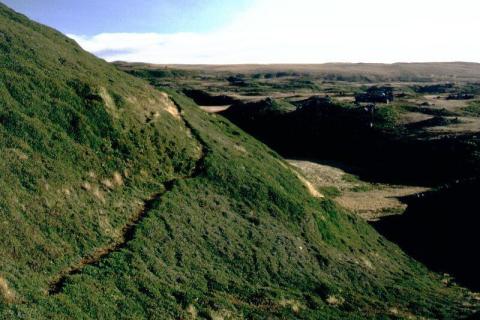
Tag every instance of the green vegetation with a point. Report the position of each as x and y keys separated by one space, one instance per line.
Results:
x=77 y=154
x=350 y=178
x=473 y=109
x=361 y=185
x=233 y=234
x=267 y=109
x=386 y=118
x=330 y=191
x=430 y=111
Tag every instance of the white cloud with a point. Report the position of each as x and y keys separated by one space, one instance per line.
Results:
x=314 y=31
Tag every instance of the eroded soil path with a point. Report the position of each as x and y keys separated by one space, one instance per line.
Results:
x=127 y=234
x=57 y=284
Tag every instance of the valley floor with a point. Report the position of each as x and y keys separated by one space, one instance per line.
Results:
x=371 y=201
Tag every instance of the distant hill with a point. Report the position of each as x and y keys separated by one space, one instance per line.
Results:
x=120 y=201
x=374 y=72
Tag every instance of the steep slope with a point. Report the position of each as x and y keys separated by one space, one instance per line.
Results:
x=116 y=202
x=443 y=227
x=82 y=145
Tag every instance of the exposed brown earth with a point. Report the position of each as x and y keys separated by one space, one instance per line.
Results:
x=413 y=117
x=464 y=125
x=370 y=201
x=375 y=204
x=6 y=293
x=215 y=109
x=440 y=102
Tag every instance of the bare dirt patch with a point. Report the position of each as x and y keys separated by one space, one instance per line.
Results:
x=295 y=305
x=413 y=117
x=335 y=300
x=464 y=125
x=322 y=175
x=370 y=201
x=215 y=109
x=377 y=203
x=349 y=99
x=117 y=179
x=107 y=99
x=240 y=148
x=309 y=185
x=7 y=294
x=440 y=102
x=169 y=105
x=192 y=311
x=311 y=189
x=152 y=107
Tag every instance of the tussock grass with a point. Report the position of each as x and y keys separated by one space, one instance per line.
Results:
x=6 y=293
x=238 y=240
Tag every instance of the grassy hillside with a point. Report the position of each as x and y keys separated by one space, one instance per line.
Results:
x=82 y=144
x=116 y=202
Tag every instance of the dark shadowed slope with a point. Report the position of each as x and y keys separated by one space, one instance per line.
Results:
x=441 y=229
x=391 y=152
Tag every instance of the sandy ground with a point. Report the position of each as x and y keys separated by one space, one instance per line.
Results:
x=375 y=204
x=412 y=117
x=370 y=201
x=440 y=101
x=466 y=125
x=345 y=99
x=215 y=109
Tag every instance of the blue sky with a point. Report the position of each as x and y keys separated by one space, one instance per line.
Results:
x=90 y=17
x=266 y=31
